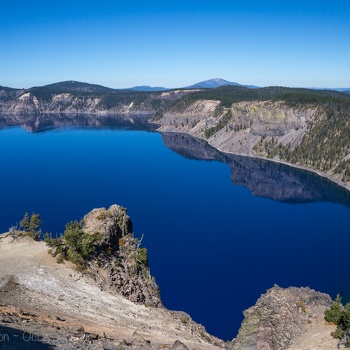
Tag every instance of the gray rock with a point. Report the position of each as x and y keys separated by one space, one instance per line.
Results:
x=115 y=265
x=278 y=317
x=179 y=346
x=74 y=101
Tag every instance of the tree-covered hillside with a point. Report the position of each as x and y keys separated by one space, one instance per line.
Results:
x=323 y=145
x=327 y=144
x=228 y=95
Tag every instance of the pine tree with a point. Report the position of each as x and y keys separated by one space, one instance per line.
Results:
x=31 y=226
x=24 y=223
x=334 y=314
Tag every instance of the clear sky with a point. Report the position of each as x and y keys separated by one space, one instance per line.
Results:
x=175 y=43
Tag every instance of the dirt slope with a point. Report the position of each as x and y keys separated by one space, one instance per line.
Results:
x=31 y=282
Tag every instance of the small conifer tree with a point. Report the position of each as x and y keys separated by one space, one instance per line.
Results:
x=32 y=226
x=334 y=314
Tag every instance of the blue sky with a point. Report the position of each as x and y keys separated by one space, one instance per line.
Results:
x=175 y=43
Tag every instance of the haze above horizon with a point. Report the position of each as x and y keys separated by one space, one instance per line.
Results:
x=173 y=44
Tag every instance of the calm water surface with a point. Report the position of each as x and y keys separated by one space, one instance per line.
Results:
x=214 y=247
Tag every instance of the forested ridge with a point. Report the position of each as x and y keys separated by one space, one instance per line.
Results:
x=325 y=146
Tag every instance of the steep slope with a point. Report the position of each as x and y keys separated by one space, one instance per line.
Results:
x=291 y=318
x=306 y=129
x=105 y=303
x=81 y=98
x=90 y=306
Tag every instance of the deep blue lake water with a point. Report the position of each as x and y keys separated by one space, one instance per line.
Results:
x=214 y=247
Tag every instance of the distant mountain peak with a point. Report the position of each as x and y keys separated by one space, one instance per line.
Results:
x=147 y=88
x=220 y=82
x=217 y=82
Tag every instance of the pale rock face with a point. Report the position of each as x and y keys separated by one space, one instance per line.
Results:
x=281 y=317
x=249 y=122
x=113 y=222
x=114 y=265
x=60 y=97
x=24 y=97
x=266 y=118
x=192 y=119
x=33 y=103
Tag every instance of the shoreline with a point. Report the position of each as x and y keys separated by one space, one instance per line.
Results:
x=336 y=182
x=157 y=126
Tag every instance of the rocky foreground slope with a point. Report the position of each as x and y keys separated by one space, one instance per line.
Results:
x=106 y=306
x=113 y=302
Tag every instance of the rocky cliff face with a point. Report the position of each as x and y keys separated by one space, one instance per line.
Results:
x=265 y=129
x=108 y=305
x=282 y=317
x=59 y=306
x=36 y=101
x=193 y=118
x=117 y=264
x=248 y=123
x=267 y=118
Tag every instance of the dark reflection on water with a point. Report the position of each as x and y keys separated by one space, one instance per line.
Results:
x=262 y=177
x=47 y=122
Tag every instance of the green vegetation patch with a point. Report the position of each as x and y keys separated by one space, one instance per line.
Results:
x=327 y=143
x=74 y=245
x=227 y=95
x=225 y=119
x=31 y=226
x=340 y=316
x=142 y=256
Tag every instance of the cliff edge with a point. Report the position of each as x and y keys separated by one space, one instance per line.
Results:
x=303 y=135
x=105 y=306
x=287 y=318
x=112 y=301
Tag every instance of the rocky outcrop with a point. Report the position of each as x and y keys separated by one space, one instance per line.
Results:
x=280 y=317
x=57 y=305
x=115 y=264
